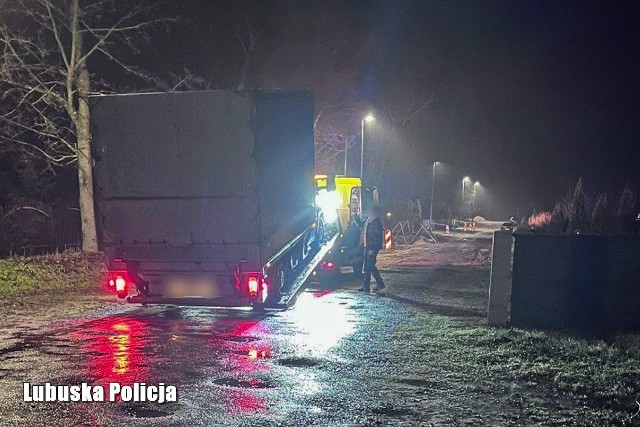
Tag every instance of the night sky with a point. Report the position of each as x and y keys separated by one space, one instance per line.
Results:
x=527 y=95
x=524 y=96
x=549 y=93
x=539 y=93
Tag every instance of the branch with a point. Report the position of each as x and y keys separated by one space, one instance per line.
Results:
x=56 y=34
x=108 y=32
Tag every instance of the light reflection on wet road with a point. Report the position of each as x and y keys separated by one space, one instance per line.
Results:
x=231 y=367
x=337 y=358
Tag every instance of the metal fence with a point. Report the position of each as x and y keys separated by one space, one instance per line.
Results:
x=34 y=228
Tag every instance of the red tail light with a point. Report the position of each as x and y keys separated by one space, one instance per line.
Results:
x=253 y=284
x=120 y=283
x=327 y=265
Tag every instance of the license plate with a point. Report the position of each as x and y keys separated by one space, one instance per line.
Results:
x=190 y=286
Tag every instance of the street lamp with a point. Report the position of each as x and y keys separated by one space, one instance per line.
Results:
x=433 y=184
x=464 y=181
x=367 y=119
x=476 y=185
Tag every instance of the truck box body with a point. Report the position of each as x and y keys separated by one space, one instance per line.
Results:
x=202 y=181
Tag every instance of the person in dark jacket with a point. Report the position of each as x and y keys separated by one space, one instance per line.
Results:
x=372 y=235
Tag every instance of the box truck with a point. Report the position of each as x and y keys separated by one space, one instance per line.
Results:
x=207 y=197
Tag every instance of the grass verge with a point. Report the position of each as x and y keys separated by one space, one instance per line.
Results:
x=66 y=271
x=593 y=383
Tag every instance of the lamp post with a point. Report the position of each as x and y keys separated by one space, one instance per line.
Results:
x=367 y=119
x=433 y=184
x=476 y=186
x=346 y=150
x=464 y=181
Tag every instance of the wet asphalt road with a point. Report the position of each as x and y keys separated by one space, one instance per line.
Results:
x=331 y=360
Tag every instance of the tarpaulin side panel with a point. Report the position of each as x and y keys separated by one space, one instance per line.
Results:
x=283 y=129
x=176 y=168
x=182 y=169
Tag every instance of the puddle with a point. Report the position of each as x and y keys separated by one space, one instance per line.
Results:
x=392 y=412
x=190 y=374
x=61 y=346
x=145 y=412
x=28 y=342
x=54 y=353
x=238 y=338
x=253 y=354
x=299 y=362
x=95 y=353
x=233 y=382
x=417 y=382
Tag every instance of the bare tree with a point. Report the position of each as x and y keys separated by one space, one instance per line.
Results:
x=248 y=36
x=626 y=213
x=336 y=131
x=579 y=216
x=45 y=50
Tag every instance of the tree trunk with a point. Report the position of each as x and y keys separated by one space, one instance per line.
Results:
x=85 y=165
x=83 y=133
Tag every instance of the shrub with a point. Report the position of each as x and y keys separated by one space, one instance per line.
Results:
x=575 y=214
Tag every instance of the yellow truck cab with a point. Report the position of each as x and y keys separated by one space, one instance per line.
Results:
x=340 y=197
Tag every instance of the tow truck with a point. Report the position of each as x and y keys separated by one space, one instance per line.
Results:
x=340 y=198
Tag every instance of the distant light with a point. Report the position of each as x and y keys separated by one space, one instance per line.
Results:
x=369 y=118
x=388 y=214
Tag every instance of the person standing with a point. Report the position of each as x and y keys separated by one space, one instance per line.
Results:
x=372 y=235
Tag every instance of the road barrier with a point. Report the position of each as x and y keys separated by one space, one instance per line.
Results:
x=387 y=239
x=402 y=233
x=589 y=283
